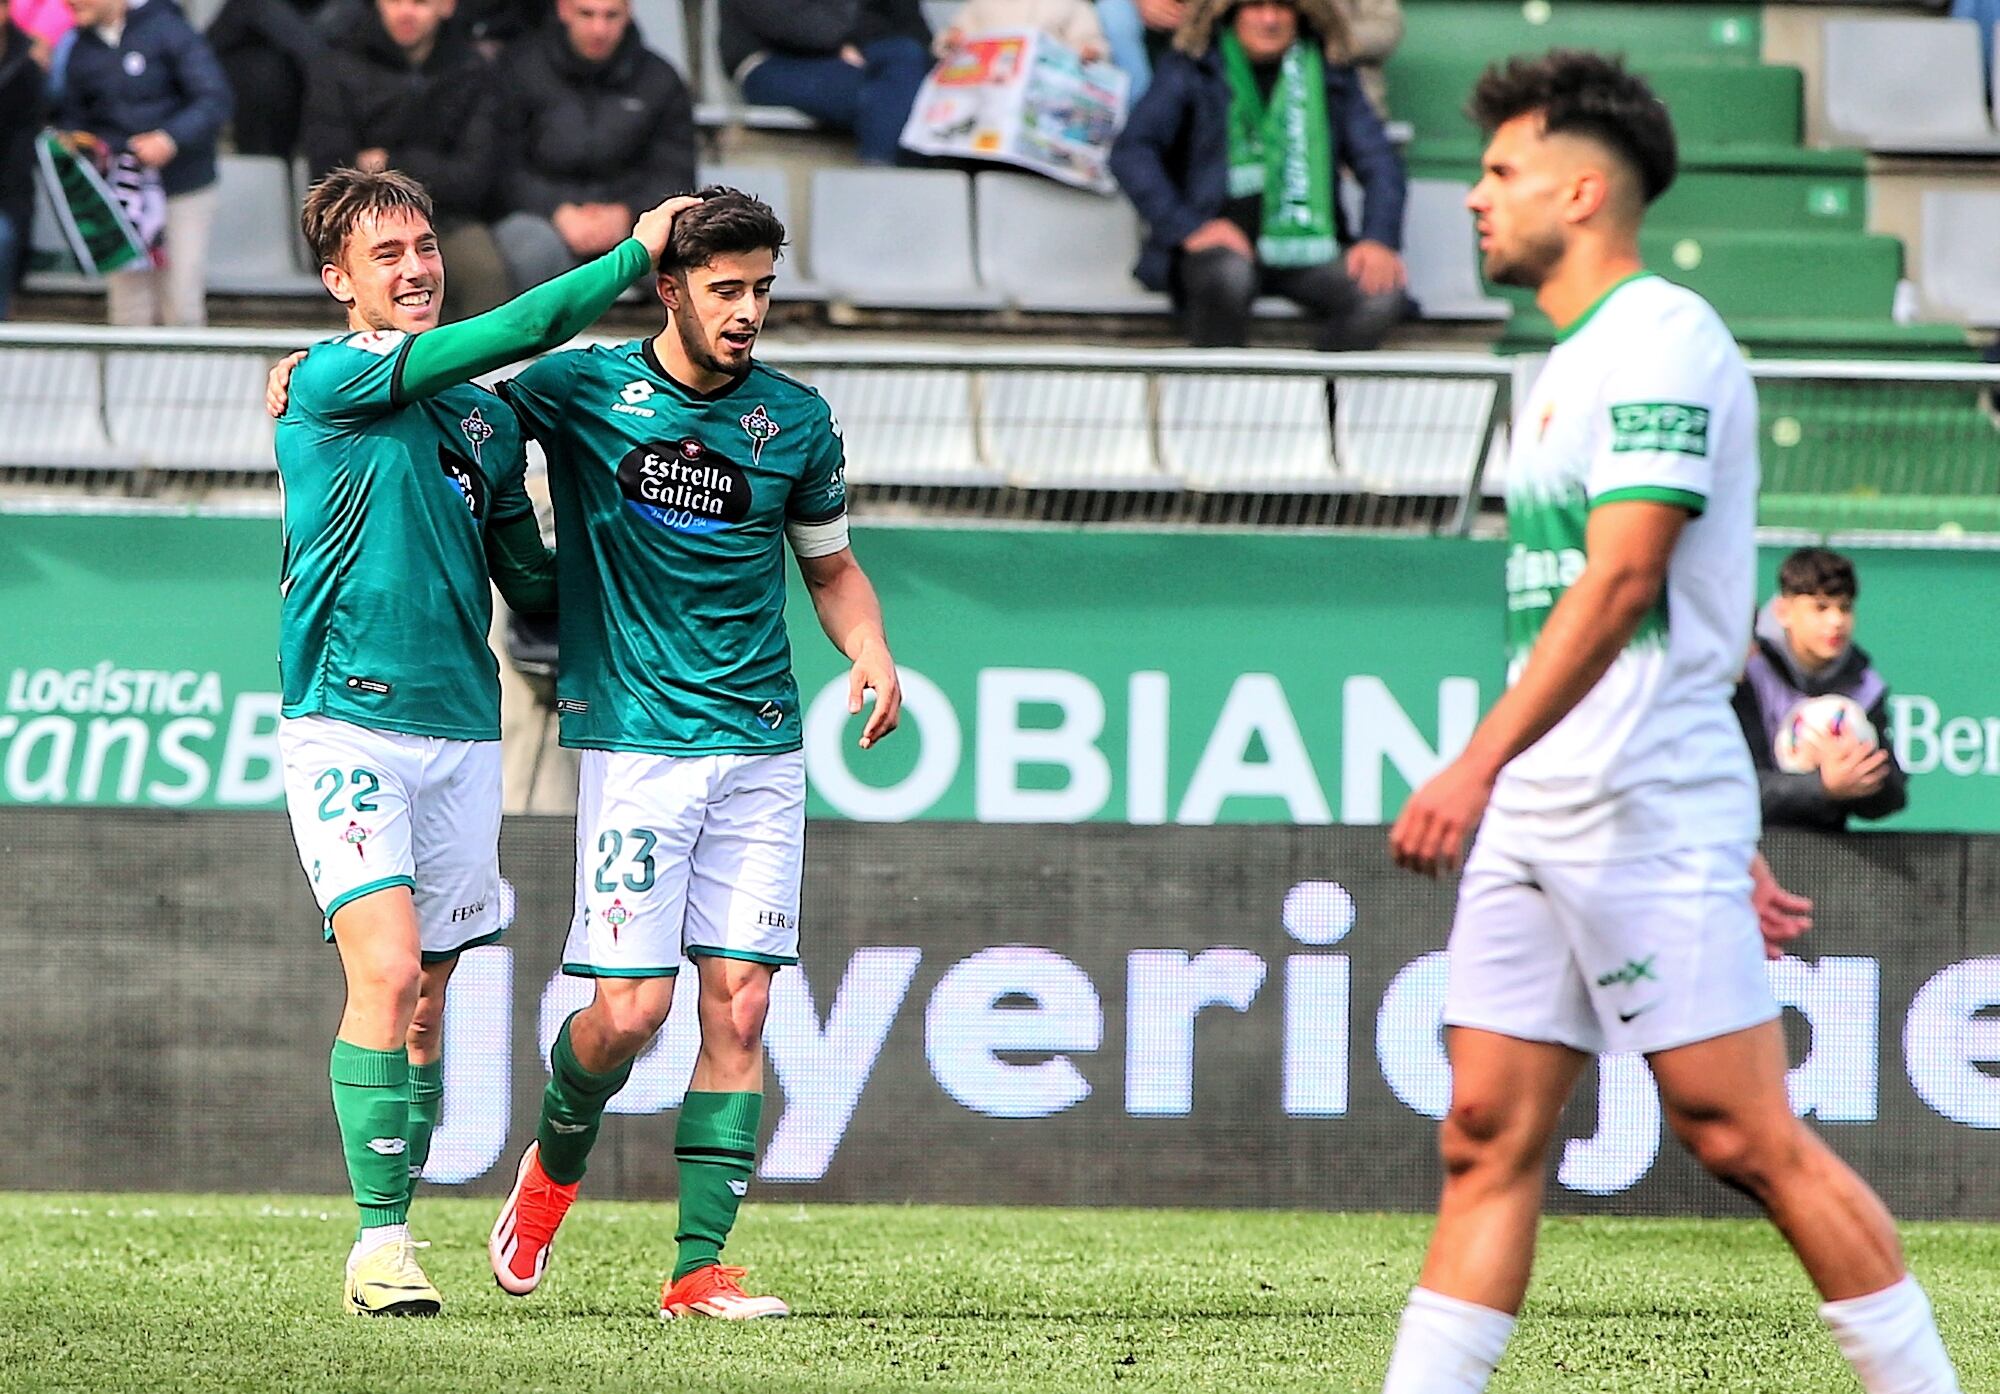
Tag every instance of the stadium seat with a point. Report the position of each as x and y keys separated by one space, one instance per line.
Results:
x=1441 y=251
x=253 y=249
x=53 y=403
x=1048 y=247
x=188 y=410
x=864 y=251
x=905 y=426
x=1066 y=430
x=718 y=102
x=662 y=26
x=1913 y=85
x=1244 y=433
x=1709 y=33
x=1713 y=104
x=1961 y=273
x=1751 y=197
x=773 y=185
x=1409 y=436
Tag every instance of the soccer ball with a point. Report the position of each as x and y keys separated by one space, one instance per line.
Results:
x=1815 y=721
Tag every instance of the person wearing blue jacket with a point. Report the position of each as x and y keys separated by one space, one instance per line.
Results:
x=143 y=82
x=1233 y=158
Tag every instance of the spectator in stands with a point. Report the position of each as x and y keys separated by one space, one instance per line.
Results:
x=1073 y=23
x=46 y=23
x=595 y=127
x=1805 y=648
x=1131 y=35
x=142 y=81
x=852 y=64
x=493 y=24
x=21 y=113
x=404 y=90
x=1140 y=31
x=269 y=49
x=1203 y=157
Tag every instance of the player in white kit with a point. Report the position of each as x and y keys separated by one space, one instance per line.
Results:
x=1606 y=904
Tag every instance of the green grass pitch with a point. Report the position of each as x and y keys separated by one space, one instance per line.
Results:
x=242 y=1294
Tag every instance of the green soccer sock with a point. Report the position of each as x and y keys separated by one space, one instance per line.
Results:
x=573 y=1109
x=715 y=1149
x=371 y=1101
x=426 y=1102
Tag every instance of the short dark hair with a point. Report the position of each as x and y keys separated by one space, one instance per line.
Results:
x=724 y=222
x=1578 y=92
x=343 y=197
x=1818 y=571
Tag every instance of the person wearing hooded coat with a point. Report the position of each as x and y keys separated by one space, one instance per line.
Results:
x=1233 y=159
x=597 y=128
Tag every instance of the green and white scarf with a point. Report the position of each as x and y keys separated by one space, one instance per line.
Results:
x=1283 y=151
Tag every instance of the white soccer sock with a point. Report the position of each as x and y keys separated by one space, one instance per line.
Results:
x=1446 y=1346
x=1891 y=1340
x=375 y=1237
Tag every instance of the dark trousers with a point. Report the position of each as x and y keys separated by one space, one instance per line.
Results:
x=1215 y=288
x=872 y=101
x=266 y=48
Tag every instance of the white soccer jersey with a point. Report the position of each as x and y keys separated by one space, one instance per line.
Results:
x=1645 y=397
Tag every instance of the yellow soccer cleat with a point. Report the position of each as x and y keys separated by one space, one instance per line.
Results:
x=386 y=1282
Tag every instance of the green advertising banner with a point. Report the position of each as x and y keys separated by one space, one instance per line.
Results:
x=1051 y=676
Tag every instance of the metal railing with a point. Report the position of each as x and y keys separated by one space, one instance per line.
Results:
x=1073 y=434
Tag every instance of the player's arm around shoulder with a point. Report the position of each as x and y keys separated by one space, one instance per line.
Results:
x=851 y=615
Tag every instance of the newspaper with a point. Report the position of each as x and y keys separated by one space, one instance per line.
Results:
x=1021 y=97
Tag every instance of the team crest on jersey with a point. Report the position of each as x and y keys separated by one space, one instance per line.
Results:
x=478 y=430
x=684 y=485
x=761 y=429
x=354 y=836
x=615 y=915
x=1548 y=415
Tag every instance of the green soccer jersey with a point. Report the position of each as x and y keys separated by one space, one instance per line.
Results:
x=387 y=601
x=671 y=511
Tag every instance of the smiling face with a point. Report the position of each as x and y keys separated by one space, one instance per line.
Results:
x=390 y=274
x=718 y=308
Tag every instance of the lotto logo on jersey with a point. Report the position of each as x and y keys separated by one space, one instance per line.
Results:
x=632 y=399
x=685 y=486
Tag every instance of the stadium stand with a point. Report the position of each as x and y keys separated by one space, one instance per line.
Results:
x=1961 y=271
x=1248 y=433
x=262 y=253
x=856 y=213
x=773 y=185
x=1908 y=85
x=1028 y=232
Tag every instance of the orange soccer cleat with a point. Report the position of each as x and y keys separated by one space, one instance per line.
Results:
x=526 y=1230
x=714 y=1292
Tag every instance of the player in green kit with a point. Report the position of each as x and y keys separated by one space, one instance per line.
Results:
x=403 y=503
x=680 y=469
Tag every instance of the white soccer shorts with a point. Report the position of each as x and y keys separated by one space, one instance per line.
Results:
x=373 y=809
x=683 y=857
x=1638 y=955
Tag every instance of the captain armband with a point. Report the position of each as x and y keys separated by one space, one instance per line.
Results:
x=818 y=539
